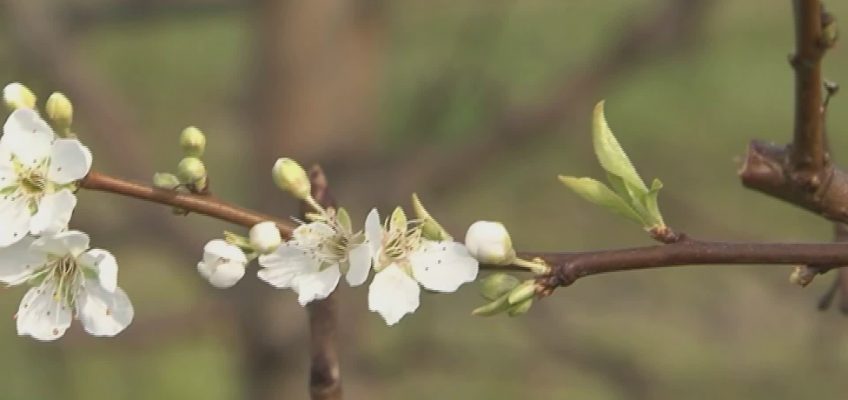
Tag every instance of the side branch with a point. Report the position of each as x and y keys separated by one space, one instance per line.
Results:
x=808 y=150
x=201 y=204
x=568 y=267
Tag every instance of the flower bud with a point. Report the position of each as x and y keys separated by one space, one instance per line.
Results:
x=223 y=264
x=290 y=176
x=191 y=170
x=16 y=96
x=192 y=142
x=60 y=110
x=496 y=285
x=489 y=243
x=265 y=237
x=165 y=180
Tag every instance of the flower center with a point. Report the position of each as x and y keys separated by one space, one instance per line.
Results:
x=398 y=243
x=33 y=182
x=68 y=275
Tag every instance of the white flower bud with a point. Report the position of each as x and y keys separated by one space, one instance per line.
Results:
x=16 y=96
x=489 y=243
x=222 y=264
x=265 y=237
x=191 y=170
x=192 y=142
x=290 y=176
x=60 y=110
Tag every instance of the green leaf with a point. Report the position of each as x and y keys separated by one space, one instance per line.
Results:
x=610 y=154
x=652 y=209
x=598 y=193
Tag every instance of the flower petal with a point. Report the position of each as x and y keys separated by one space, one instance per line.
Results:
x=69 y=161
x=359 y=259
x=18 y=262
x=316 y=285
x=27 y=136
x=104 y=263
x=71 y=243
x=218 y=249
x=284 y=264
x=54 y=212
x=443 y=266
x=222 y=275
x=103 y=313
x=312 y=234
x=41 y=315
x=14 y=220
x=374 y=232
x=393 y=294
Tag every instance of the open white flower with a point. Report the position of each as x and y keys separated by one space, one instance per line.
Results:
x=404 y=259
x=69 y=280
x=223 y=263
x=36 y=175
x=312 y=262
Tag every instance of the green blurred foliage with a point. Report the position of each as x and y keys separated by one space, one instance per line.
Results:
x=694 y=333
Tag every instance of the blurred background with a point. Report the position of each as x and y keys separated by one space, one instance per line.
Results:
x=477 y=105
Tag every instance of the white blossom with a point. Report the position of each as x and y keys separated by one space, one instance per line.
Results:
x=404 y=260
x=265 y=237
x=312 y=262
x=222 y=264
x=69 y=281
x=489 y=242
x=37 y=171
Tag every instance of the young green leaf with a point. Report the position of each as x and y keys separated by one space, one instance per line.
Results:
x=610 y=154
x=598 y=193
x=652 y=209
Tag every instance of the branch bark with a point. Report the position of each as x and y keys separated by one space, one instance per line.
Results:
x=201 y=204
x=808 y=147
x=324 y=374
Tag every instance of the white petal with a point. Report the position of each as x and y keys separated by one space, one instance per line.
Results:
x=393 y=294
x=218 y=249
x=54 y=213
x=287 y=262
x=374 y=232
x=443 y=266
x=104 y=263
x=18 y=261
x=316 y=285
x=103 y=313
x=360 y=263
x=8 y=176
x=41 y=315
x=60 y=244
x=14 y=220
x=27 y=136
x=222 y=275
x=312 y=234
x=69 y=161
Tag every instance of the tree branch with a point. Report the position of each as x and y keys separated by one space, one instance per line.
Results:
x=802 y=173
x=808 y=147
x=568 y=267
x=201 y=204
x=324 y=374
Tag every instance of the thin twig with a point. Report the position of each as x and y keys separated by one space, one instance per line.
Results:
x=201 y=204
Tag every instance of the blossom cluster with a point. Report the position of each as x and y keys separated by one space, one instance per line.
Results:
x=42 y=165
x=38 y=173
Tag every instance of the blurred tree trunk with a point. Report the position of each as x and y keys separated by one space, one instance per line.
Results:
x=312 y=96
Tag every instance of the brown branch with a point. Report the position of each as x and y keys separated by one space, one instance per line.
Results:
x=568 y=267
x=200 y=204
x=802 y=173
x=324 y=374
x=808 y=147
